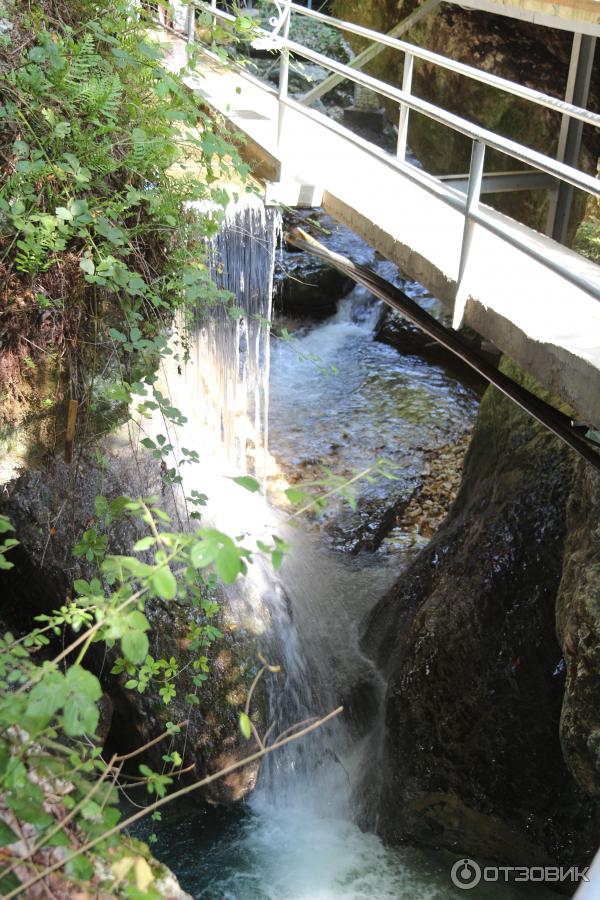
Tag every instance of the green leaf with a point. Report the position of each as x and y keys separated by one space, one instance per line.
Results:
x=295 y=495
x=245 y=726
x=80 y=868
x=163 y=583
x=203 y=553
x=134 y=645
x=46 y=697
x=247 y=482
x=8 y=883
x=30 y=807
x=7 y=835
x=229 y=564
x=80 y=714
x=144 y=543
x=87 y=265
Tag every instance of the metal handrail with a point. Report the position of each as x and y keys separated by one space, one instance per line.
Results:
x=480 y=137
x=455 y=199
x=444 y=62
x=511 y=148
x=534 y=158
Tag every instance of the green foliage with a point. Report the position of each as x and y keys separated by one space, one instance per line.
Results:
x=6 y=543
x=245 y=725
x=587 y=238
x=49 y=714
x=104 y=150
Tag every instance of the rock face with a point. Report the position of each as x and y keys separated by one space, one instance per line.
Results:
x=50 y=507
x=578 y=621
x=466 y=639
x=522 y=52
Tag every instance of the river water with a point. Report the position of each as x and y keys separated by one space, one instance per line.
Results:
x=338 y=400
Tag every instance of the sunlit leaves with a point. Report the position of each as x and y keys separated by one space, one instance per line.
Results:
x=134 y=641
x=164 y=583
x=7 y=835
x=228 y=557
x=245 y=725
x=76 y=693
x=82 y=691
x=247 y=482
x=6 y=544
x=276 y=551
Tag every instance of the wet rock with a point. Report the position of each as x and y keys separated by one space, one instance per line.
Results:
x=397 y=331
x=466 y=639
x=308 y=288
x=430 y=503
x=578 y=623
x=378 y=510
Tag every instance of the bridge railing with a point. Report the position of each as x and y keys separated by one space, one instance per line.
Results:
x=481 y=138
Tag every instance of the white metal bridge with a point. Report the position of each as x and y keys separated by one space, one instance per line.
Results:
x=537 y=300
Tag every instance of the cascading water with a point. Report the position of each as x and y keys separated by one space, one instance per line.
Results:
x=297 y=838
x=225 y=389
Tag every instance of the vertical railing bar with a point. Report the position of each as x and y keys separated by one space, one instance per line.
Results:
x=213 y=5
x=472 y=203
x=191 y=23
x=404 y=109
x=284 y=71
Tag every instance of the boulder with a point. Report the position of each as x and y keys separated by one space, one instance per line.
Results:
x=466 y=640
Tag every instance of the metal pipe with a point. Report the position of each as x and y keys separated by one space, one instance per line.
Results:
x=552 y=419
x=471 y=206
x=429 y=183
x=569 y=145
x=213 y=6
x=191 y=23
x=284 y=71
x=473 y=195
x=504 y=145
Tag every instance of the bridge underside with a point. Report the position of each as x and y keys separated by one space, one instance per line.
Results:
x=544 y=322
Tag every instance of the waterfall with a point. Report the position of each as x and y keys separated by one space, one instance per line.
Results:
x=225 y=390
x=297 y=837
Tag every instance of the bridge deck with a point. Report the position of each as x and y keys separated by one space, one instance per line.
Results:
x=542 y=321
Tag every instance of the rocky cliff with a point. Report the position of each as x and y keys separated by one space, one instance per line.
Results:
x=467 y=641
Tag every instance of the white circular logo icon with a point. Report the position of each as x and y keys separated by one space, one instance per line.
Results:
x=465 y=874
